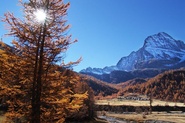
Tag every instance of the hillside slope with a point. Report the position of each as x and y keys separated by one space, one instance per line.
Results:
x=99 y=87
x=169 y=86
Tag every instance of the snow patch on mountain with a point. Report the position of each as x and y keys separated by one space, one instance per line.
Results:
x=99 y=71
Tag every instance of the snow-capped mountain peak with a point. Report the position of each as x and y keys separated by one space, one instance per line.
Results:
x=158 y=47
x=159 y=51
x=163 y=40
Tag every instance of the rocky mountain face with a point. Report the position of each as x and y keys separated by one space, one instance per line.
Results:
x=160 y=51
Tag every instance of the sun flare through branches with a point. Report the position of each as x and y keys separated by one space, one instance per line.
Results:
x=40 y=15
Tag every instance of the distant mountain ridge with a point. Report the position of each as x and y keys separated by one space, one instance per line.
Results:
x=159 y=51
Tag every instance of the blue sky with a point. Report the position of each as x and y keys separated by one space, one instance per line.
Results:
x=110 y=29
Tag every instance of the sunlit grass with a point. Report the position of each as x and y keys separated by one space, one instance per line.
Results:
x=137 y=103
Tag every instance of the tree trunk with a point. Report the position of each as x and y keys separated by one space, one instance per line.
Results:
x=33 y=100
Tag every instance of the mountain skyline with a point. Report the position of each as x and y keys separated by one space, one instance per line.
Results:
x=158 y=51
x=109 y=30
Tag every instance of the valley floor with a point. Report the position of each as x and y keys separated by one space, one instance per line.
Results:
x=157 y=117
x=116 y=102
x=119 y=116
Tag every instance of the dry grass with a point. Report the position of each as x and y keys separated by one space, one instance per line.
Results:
x=2 y=119
x=161 y=116
x=137 y=103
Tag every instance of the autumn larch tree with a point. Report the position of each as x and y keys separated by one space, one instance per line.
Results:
x=14 y=84
x=40 y=40
x=64 y=95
